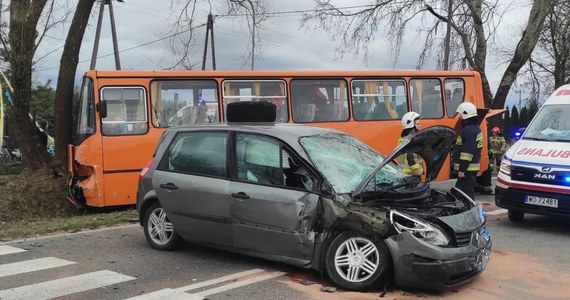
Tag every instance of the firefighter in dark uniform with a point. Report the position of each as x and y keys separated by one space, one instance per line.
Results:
x=411 y=163
x=467 y=152
x=484 y=184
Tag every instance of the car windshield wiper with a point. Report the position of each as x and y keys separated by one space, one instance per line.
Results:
x=534 y=139
x=546 y=140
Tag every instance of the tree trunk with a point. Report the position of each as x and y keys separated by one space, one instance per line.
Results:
x=24 y=16
x=66 y=78
x=523 y=51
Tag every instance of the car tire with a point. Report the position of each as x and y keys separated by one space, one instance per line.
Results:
x=515 y=215
x=158 y=230
x=357 y=262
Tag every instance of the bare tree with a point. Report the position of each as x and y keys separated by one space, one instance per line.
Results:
x=185 y=24
x=66 y=78
x=19 y=49
x=474 y=23
x=550 y=64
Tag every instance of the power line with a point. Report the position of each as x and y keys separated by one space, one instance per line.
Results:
x=299 y=11
x=135 y=47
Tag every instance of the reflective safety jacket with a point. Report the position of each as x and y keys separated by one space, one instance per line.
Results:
x=467 y=152
x=498 y=144
x=411 y=163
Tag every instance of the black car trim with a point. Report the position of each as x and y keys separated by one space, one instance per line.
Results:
x=122 y=171
x=224 y=220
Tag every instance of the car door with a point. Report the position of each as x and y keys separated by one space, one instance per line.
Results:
x=192 y=185
x=272 y=203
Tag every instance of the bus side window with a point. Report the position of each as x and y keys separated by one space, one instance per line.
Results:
x=274 y=91
x=319 y=100
x=126 y=111
x=427 y=98
x=182 y=102
x=456 y=95
x=374 y=100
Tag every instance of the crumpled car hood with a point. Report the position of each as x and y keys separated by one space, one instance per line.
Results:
x=467 y=221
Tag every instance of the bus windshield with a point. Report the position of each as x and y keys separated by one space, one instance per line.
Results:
x=552 y=123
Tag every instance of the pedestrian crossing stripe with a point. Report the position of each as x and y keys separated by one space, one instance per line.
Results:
x=32 y=265
x=9 y=250
x=65 y=286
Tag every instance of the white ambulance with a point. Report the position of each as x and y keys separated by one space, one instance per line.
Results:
x=534 y=176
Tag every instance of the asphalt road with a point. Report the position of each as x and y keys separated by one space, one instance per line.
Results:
x=529 y=261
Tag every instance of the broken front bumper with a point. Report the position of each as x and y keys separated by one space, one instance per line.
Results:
x=420 y=265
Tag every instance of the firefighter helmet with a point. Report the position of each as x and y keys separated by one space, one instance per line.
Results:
x=467 y=110
x=409 y=119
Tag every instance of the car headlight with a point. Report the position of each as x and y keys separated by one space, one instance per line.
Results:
x=505 y=167
x=419 y=229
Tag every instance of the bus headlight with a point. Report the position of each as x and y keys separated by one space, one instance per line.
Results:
x=419 y=229
x=505 y=167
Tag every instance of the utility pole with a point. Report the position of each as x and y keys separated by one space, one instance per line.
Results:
x=448 y=35
x=98 y=35
x=210 y=34
x=252 y=37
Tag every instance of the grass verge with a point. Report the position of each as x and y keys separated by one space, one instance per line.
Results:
x=43 y=226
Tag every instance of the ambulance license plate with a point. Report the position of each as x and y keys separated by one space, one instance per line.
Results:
x=549 y=202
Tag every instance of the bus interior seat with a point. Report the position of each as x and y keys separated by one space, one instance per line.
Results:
x=431 y=105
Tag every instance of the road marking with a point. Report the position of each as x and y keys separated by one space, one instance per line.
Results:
x=32 y=265
x=167 y=294
x=181 y=293
x=218 y=280
x=237 y=284
x=497 y=212
x=65 y=286
x=9 y=250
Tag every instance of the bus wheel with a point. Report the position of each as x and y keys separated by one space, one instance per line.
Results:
x=515 y=215
x=357 y=262
x=158 y=230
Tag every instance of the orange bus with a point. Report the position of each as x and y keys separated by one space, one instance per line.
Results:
x=121 y=114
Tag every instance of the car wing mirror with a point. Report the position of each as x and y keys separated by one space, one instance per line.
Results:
x=327 y=191
x=102 y=108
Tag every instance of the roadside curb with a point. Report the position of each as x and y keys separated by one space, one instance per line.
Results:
x=62 y=234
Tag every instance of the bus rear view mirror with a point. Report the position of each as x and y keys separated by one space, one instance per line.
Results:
x=102 y=108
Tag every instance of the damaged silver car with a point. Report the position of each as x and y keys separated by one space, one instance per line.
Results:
x=315 y=198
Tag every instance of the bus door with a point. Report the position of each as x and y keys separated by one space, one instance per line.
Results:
x=126 y=140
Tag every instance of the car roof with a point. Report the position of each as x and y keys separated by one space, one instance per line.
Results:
x=278 y=130
x=560 y=96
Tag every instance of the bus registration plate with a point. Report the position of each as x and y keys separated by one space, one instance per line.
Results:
x=549 y=202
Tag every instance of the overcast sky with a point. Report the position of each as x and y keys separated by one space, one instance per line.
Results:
x=284 y=45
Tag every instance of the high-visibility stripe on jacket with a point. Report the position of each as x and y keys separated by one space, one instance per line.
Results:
x=411 y=163
x=467 y=152
x=498 y=144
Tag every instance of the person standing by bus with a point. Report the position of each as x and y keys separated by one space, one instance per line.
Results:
x=411 y=163
x=467 y=152
x=484 y=183
x=498 y=145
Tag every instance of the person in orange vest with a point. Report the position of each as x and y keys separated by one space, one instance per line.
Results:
x=411 y=163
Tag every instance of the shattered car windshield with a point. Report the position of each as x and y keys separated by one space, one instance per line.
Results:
x=345 y=162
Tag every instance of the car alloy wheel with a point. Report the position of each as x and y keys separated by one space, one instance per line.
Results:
x=158 y=229
x=356 y=259
x=359 y=262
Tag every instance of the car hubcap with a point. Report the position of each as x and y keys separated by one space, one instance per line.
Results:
x=356 y=259
x=159 y=227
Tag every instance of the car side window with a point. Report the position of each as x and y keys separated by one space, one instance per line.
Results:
x=261 y=159
x=202 y=153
